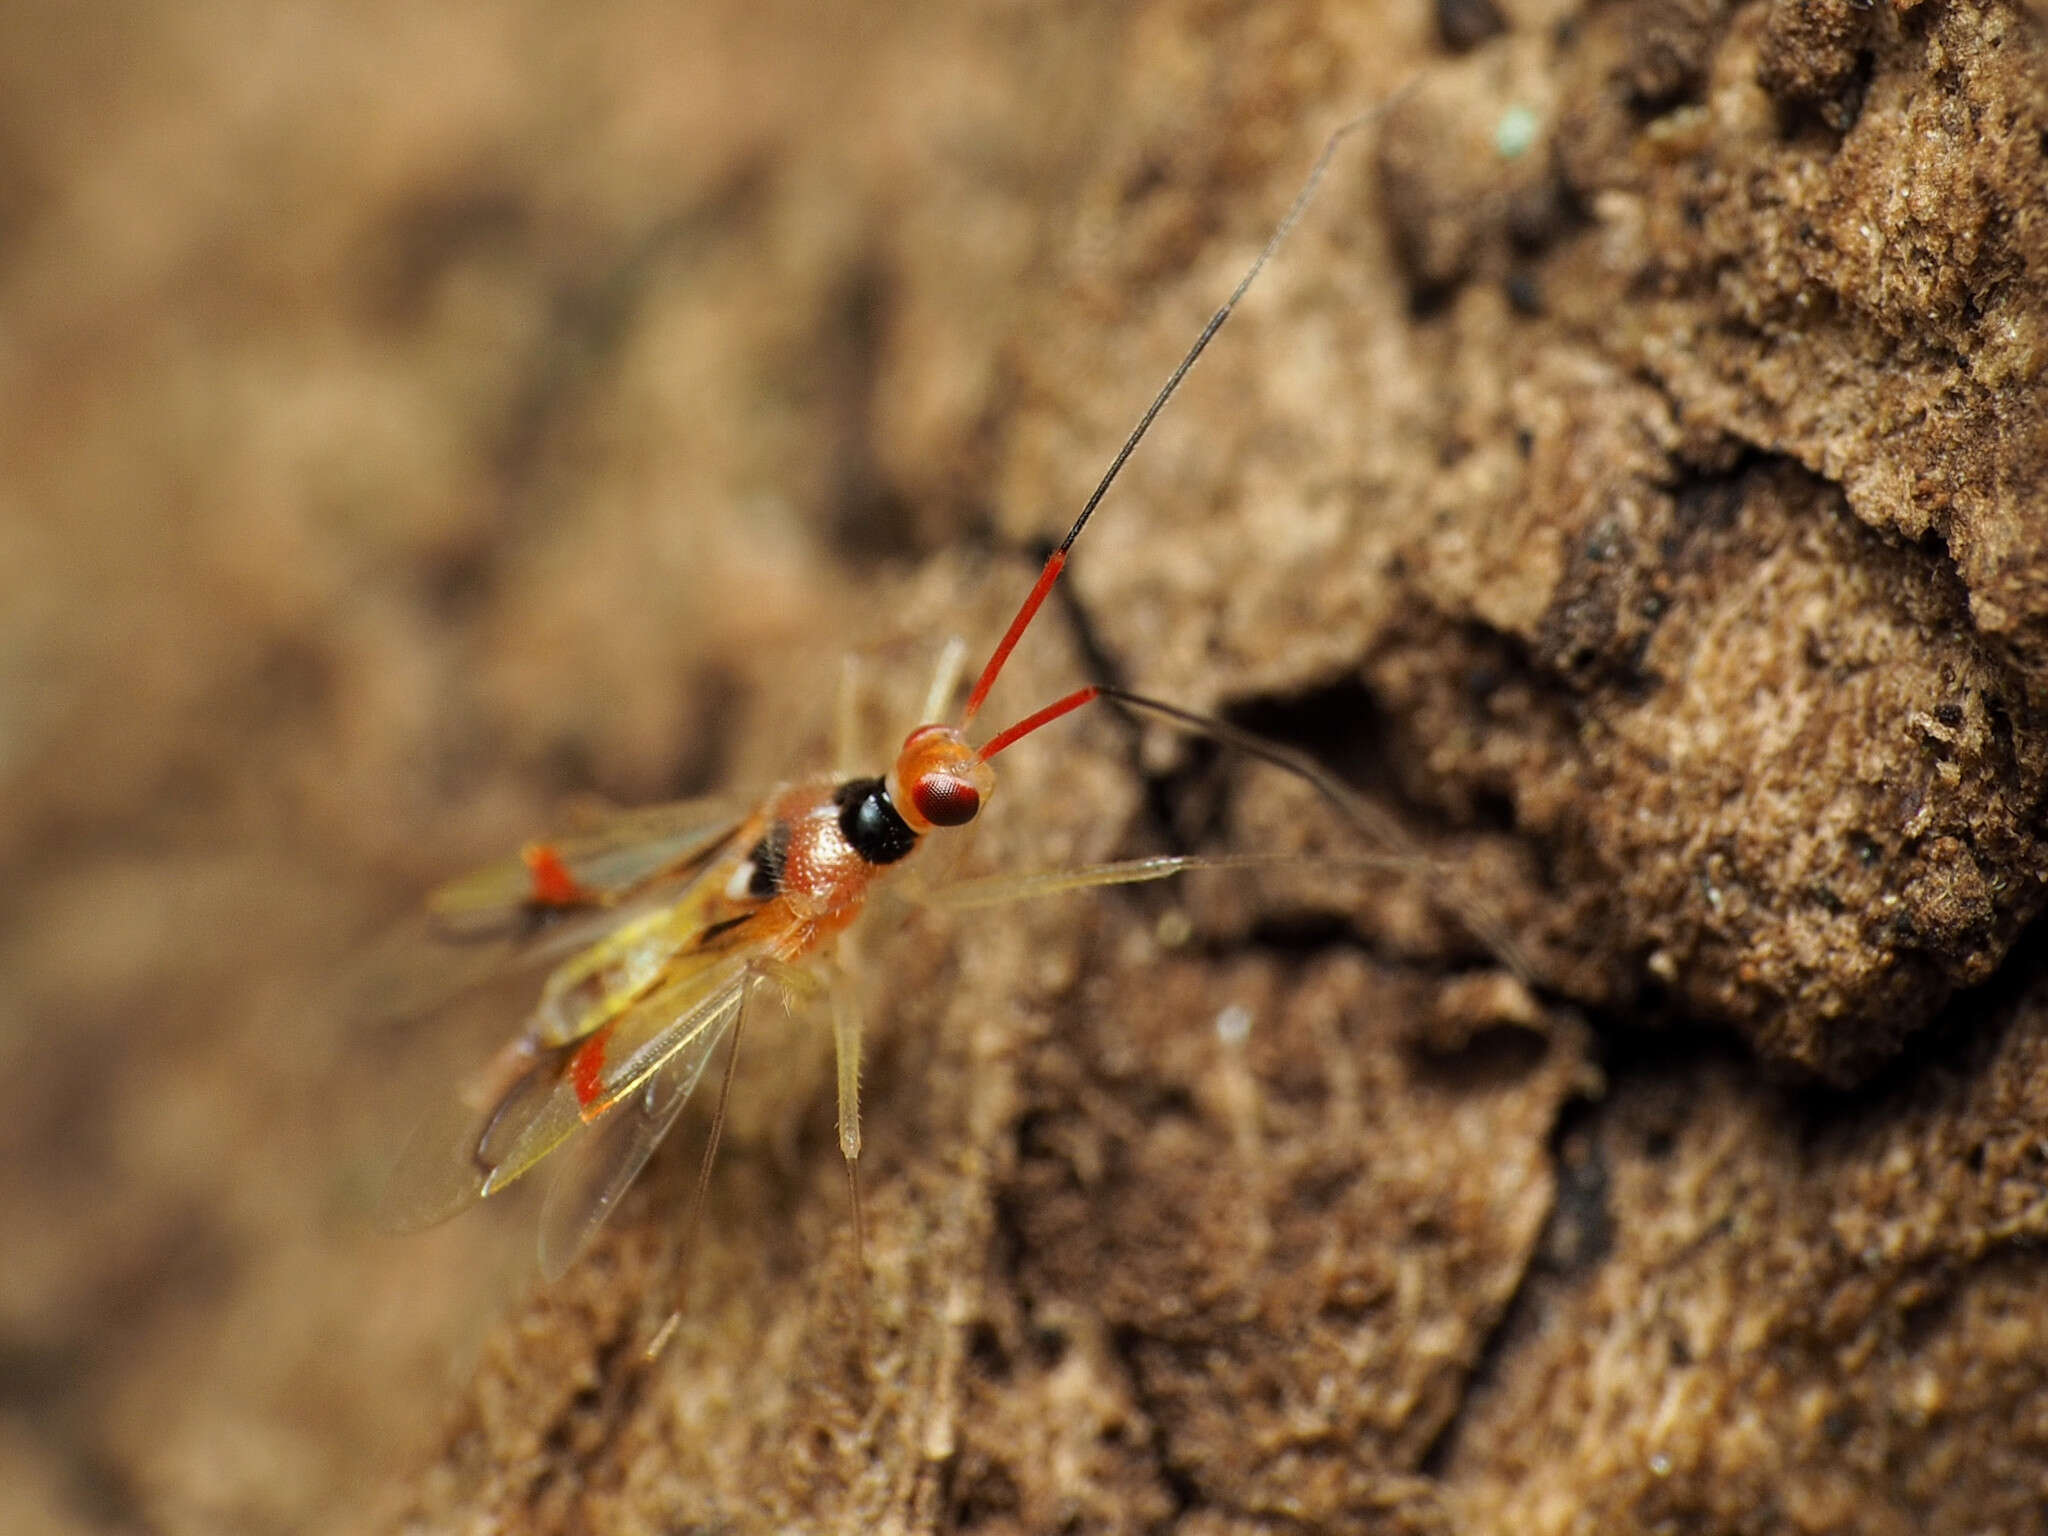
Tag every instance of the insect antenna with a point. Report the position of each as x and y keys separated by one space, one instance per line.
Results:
x=1365 y=818
x=1056 y=562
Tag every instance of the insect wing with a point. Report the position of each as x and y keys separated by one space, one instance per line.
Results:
x=600 y=1166
x=414 y=972
x=605 y=1070
x=531 y=1100
x=446 y=1165
x=606 y=862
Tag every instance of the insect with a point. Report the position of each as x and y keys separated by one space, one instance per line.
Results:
x=666 y=923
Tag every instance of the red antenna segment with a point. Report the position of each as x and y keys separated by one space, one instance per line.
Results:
x=1033 y=721
x=1057 y=561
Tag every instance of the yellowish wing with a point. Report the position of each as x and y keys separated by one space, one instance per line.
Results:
x=538 y=1095
x=687 y=1012
x=627 y=851
x=487 y=925
x=599 y=1166
x=658 y=964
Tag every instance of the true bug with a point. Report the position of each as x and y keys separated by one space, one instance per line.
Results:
x=672 y=918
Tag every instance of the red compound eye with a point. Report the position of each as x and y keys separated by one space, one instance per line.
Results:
x=945 y=801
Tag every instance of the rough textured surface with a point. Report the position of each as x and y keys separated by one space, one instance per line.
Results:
x=414 y=421
x=1837 y=1303
x=1780 y=769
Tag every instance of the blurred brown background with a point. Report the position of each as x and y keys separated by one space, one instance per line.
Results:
x=415 y=421
x=413 y=417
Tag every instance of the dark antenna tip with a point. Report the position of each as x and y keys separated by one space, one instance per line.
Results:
x=1173 y=382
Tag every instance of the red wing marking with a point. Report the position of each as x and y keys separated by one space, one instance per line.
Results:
x=553 y=885
x=586 y=1068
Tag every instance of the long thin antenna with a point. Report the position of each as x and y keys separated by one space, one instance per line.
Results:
x=1365 y=817
x=1058 y=559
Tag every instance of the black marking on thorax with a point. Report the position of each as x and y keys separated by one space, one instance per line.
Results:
x=870 y=823
x=768 y=857
x=712 y=932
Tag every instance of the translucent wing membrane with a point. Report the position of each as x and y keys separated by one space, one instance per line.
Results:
x=659 y=924
x=414 y=971
x=619 y=1059
x=444 y=1166
x=601 y=1165
x=642 y=1064
x=605 y=863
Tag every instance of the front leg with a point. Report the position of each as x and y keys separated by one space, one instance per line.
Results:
x=850 y=754
x=997 y=890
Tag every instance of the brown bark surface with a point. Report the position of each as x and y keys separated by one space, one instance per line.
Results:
x=1630 y=477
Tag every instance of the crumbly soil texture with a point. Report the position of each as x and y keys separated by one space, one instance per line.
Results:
x=425 y=425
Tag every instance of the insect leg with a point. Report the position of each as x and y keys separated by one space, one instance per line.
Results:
x=849 y=755
x=995 y=890
x=694 y=1217
x=797 y=983
x=945 y=680
x=846 y=743
x=801 y=984
x=1366 y=818
x=846 y=1030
